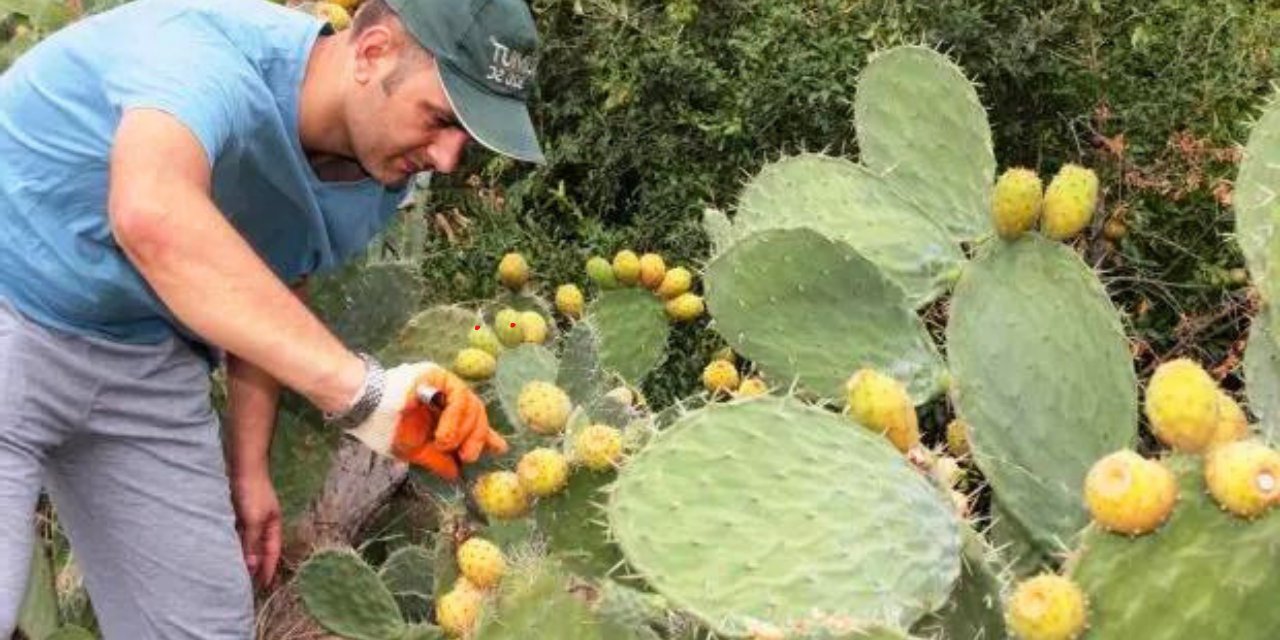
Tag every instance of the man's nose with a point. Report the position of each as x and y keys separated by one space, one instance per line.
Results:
x=446 y=151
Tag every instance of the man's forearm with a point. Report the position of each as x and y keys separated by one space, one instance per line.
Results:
x=252 y=400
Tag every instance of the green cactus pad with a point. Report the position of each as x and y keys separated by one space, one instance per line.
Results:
x=1019 y=555
x=436 y=334
x=629 y=607
x=422 y=631
x=718 y=229
x=801 y=305
x=632 y=327
x=921 y=124
x=772 y=511
x=365 y=304
x=1042 y=373
x=847 y=202
x=1256 y=201
x=534 y=602
x=572 y=522
x=38 y=614
x=1204 y=574
x=518 y=367
x=974 y=611
x=581 y=375
x=346 y=596
x=865 y=633
x=409 y=574
x=1262 y=379
x=70 y=633
x=301 y=454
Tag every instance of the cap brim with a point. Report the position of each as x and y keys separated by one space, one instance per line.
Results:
x=497 y=122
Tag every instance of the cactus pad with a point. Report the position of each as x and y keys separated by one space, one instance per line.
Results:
x=365 y=304
x=301 y=455
x=71 y=633
x=518 y=367
x=921 y=124
x=801 y=305
x=1204 y=574
x=409 y=574
x=1043 y=376
x=974 y=611
x=632 y=327
x=1262 y=378
x=435 y=334
x=718 y=229
x=846 y=202
x=1256 y=201
x=534 y=602
x=346 y=597
x=839 y=522
x=581 y=374
x=573 y=525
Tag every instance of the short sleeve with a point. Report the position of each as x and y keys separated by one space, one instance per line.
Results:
x=206 y=87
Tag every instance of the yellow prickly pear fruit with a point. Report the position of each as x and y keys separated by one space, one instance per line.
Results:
x=569 y=300
x=1015 y=202
x=1182 y=405
x=1243 y=477
x=474 y=364
x=513 y=271
x=333 y=13
x=481 y=562
x=881 y=403
x=483 y=338
x=543 y=407
x=719 y=375
x=1129 y=494
x=752 y=387
x=534 y=327
x=1233 y=424
x=601 y=273
x=1047 y=607
x=685 y=307
x=675 y=282
x=506 y=323
x=626 y=267
x=500 y=496
x=458 y=610
x=1069 y=202
x=958 y=437
x=652 y=270
x=543 y=472
x=598 y=447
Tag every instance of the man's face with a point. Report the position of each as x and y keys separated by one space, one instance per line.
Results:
x=400 y=120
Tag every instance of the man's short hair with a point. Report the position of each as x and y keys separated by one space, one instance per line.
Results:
x=374 y=12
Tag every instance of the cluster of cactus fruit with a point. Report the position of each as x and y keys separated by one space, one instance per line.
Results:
x=812 y=506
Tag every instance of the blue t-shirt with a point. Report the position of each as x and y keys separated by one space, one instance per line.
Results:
x=231 y=71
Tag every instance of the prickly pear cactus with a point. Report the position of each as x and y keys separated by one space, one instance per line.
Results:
x=632 y=329
x=1262 y=378
x=409 y=574
x=718 y=229
x=920 y=124
x=974 y=611
x=801 y=305
x=820 y=516
x=848 y=202
x=1043 y=376
x=346 y=596
x=436 y=334
x=1256 y=201
x=534 y=602
x=585 y=379
x=71 y=632
x=301 y=455
x=518 y=367
x=366 y=303
x=1204 y=574
x=573 y=524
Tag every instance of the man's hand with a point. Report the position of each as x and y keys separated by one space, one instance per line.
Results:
x=452 y=428
x=259 y=523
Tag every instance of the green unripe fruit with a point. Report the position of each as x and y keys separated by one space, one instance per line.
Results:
x=601 y=273
x=1015 y=202
x=474 y=364
x=507 y=325
x=483 y=338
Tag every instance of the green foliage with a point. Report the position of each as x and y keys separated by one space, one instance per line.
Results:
x=632 y=329
x=347 y=597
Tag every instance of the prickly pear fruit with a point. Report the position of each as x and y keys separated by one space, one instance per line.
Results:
x=881 y=403
x=543 y=472
x=474 y=364
x=513 y=271
x=685 y=307
x=500 y=496
x=675 y=282
x=506 y=323
x=1233 y=424
x=1129 y=494
x=598 y=447
x=482 y=337
x=751 y=387
x=1047 y=607
x=1243 y=477
x=626 y=267
x=601 y=272
x=481 y=562
x=958 y=437
x=1015 y=202
x=719 y=375
x=1182 y=405
x=569 y=300
x=534 y=327
x=652 y=270
x=458 y=610
x=543 y=407
x=1069 y=202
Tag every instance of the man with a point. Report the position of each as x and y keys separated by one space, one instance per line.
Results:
x=169 y=169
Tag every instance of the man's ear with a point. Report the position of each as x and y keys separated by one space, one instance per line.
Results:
x=373 y=47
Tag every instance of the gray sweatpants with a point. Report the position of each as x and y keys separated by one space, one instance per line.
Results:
x=124 y=439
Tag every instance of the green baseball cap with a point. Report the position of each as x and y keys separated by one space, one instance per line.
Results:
x=486 y=53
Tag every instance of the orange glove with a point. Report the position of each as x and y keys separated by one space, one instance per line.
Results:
x=429 y=417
